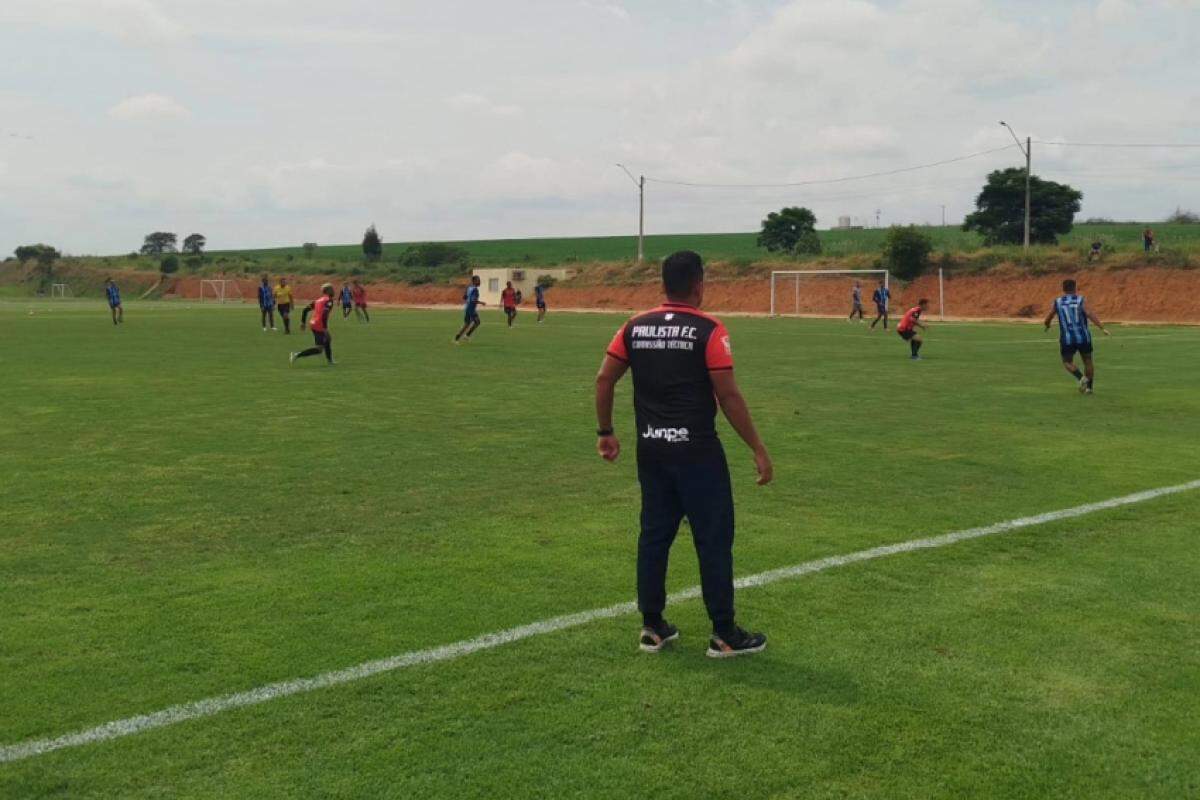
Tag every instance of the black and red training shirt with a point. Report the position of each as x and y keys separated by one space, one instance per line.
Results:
x=671 y=350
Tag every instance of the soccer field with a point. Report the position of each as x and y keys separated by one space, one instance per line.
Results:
x=186 y=516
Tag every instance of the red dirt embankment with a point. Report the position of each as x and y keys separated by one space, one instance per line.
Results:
x=1143 y=295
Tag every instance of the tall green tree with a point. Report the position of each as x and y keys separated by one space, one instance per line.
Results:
x=1000 y=209
x=906 y=251
x=372 y=245
x=790 y=230
x=157 y=243
x=194 y=244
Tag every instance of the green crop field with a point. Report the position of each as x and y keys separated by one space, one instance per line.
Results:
x=185 y=516
x=1116 y=236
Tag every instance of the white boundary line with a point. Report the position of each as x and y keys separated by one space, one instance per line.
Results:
x=272 y=691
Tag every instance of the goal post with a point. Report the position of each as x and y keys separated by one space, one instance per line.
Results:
x=60 y=290
x=786 y=288
x=220 y=290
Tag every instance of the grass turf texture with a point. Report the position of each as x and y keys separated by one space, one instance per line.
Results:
x=1116 y=236
x=185 y=515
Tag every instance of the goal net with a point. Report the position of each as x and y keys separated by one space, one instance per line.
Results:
x=60 y=290
x=220 y=291
x=824 y=292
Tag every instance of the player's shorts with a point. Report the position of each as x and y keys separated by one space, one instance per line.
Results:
x=471 y=315
x=906 y=335
x=285 y=308
x=115 y=305
x=266 y=308
x=360 y=305
x=320 y=338
x=1069 y=350
x=510 y=309
x=541 y=306
x=881 y=310
x=346 y=306
x=857 y=306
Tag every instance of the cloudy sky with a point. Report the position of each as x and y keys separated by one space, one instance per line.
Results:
x=274 y=122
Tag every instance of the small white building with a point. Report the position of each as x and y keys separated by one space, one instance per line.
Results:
x=492 y=281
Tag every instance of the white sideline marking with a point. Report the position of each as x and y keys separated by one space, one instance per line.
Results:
x=215 y=705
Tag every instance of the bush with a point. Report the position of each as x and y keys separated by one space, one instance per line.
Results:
x=1183 y=216
x=169 y=265
x=433 y=254
x=546 y=281
x=906 y=251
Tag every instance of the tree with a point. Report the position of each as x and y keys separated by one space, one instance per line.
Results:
x=1182 y=216
x=38 y=252
x=310 y=249
x=169 y=265
x=372 y=245
x=1000 y=209
x=790 y=230
x=906 y=251
x=194 y=244
x=158 y=243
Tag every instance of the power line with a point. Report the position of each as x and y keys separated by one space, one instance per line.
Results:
x=826 y=181
x=1169 y=145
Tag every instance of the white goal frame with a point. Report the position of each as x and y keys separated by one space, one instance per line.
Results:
x=60 y=290
x=800 y=273
x=219 y=287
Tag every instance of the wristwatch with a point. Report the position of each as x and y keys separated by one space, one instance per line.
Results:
x=604 y=431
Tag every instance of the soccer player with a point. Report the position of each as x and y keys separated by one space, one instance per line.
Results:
x=508 y=300
x=360 y=302
x=908 y=327
x=856 y=302
x=471 y=302
x=682 y=369
x=539 y=296
x=881 y=296
x=283 y=300
x=347 y=300
x=114 y=301
x=266 y=303
x=1074 y=335
x=320 y=310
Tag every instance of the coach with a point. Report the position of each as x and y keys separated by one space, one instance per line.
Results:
x=682 y=368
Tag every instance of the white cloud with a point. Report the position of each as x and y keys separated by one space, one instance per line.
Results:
x=470 y=102
x=612 y=9
x=148 y=106
x=133 y=21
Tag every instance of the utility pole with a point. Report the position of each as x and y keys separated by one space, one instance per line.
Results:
x=943 y=215
x=640 y=182
x=1027 y=150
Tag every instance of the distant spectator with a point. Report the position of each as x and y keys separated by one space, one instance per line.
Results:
x=1097 y=246
x=1147 y=240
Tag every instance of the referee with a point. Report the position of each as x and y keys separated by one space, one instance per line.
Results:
x=682 y=368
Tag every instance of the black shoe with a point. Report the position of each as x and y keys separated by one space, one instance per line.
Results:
x=655 y=637
x=739 y=643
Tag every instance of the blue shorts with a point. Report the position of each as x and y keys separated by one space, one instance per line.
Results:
x=471 y=315
x=1069 y=350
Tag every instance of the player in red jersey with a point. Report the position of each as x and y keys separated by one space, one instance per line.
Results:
x=359 y=293
x=508 y=299
x=319 y=310
x=908 y=327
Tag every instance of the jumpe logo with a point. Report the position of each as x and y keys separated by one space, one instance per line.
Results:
x=669 y=435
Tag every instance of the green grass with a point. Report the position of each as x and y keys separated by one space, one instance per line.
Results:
x=185 y=515
x=725 y=246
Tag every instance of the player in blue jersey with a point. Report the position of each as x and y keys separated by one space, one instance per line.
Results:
x=881 y=296
x=347 y=300
x=114 y=301
x=471 y=303
x=1074 y=336
x=266 y=303
x=539 y=296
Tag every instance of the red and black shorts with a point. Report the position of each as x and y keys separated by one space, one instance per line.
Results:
x=321 y=338
x=908 y=334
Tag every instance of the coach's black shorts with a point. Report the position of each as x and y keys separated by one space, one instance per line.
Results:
x=1069 y=350
x=906 y=335
x=285 y=308
x=321 y=338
